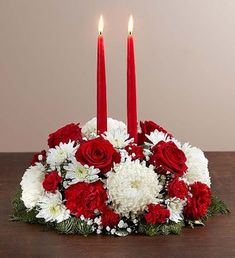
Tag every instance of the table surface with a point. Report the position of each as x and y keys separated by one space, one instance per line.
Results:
x=217 y=239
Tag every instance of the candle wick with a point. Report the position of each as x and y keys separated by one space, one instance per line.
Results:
x=100 y=33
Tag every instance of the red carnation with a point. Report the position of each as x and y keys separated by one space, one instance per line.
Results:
x=85 y=198
x=200 y=201
x=69 y=132
x=146 y=128
x=177 y=188
x=156 y=214
x=168 y=157
x=51 y=181
x=35 y=157
x=136 y=152
x=109 y=218
x=99 y=153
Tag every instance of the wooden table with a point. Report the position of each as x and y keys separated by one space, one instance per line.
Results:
x=217 y=239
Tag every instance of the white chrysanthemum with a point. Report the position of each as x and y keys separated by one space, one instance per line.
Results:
x=177 y=143
x=197 y=165
x=76 y=172
x=132 y=186
x=119 y=138
x=124 y=155
x=156 y=136
x=56 y=156
x=176 y=207
x=89 y=129
x=40 y=166
x=31 y=185
x=114 y=124
x=51 y=208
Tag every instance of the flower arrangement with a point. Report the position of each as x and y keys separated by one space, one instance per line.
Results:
x=88 y=183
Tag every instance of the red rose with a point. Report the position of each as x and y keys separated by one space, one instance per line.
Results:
x=85 y=198
x=51 y=181
x=109 y=218
x=200 y=201
x=136 y=152
x=35 y=157
x=99 y=153
x=177 y=188
x=146 y=128
x=156 y=214
x=168 y=157
x=69 y=132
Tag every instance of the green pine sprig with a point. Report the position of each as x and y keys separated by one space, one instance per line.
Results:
x=161 y=229
x=75 y=225
x=20 y=212
x=217 y=207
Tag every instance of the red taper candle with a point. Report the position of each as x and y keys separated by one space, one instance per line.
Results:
x=101 y=83
x=131 y=85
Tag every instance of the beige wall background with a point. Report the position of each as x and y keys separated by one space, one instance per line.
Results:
x=185 y=58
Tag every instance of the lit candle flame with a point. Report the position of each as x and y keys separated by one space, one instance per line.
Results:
x=101 y=25
x=130 y=25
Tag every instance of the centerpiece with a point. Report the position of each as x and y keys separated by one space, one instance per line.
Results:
x=106 y=177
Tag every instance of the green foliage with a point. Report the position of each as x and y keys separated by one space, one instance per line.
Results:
x=217 y=207
x=83 y=228
x=175 y=228
x=161 y=229
x=20 y=212
x=74 y=226
x=149 y=229
x=67 y=227
x=17 y=203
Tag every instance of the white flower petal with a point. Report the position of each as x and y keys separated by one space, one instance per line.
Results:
x=51 y=208
x=176 y=207
x=132 y=186
x=76 y=172
x=118 y=138
x=89 y=129
x=197 y=165
x=156 y=136
x=58 y=155
x=31 y=185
